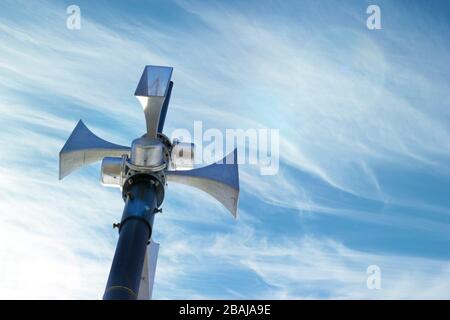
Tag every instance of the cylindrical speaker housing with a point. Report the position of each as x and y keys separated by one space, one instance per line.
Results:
x=147 y=152
x=111 y=172
x=182 y=155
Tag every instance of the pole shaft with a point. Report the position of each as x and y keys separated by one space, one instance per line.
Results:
x=135 y=231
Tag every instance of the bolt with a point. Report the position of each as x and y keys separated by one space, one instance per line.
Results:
x=157 y=210
x=129 y=195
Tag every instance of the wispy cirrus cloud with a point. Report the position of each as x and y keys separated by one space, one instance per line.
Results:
x=285 y=268
x=362 y=127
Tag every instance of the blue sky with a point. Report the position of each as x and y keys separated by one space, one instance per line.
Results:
x=364 y=140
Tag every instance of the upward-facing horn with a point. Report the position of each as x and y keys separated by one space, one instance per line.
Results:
x=83 y=148
x=152 y=90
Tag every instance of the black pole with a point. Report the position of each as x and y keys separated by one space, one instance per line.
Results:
x=134 y=233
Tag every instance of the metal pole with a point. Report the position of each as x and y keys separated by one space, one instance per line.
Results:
x=134 y=233
x=142 y=172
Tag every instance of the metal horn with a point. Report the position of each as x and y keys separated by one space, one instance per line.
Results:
x=220 y=180
x=83 y=147
x=142 y=171
x=151 y=92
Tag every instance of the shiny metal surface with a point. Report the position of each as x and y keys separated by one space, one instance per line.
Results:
x=151 y=93
x=112 y=171
x=165 y=107
x=220 y=180
x=148 y=272
x=83 y=147
x=142 y=173
x=147 y=152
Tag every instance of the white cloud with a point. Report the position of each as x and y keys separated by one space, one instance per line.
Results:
x=294 y=268
x=338 y=120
